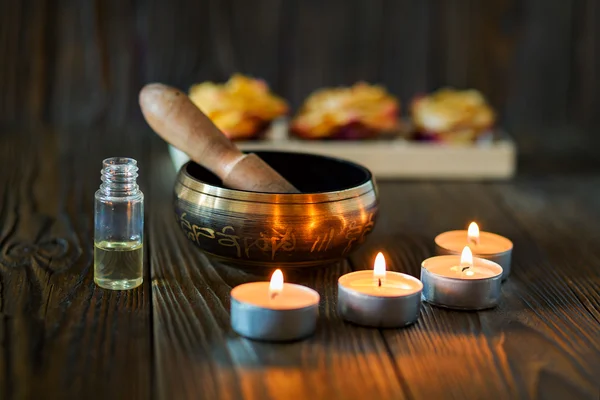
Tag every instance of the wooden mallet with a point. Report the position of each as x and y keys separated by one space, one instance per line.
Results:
x=173 y=116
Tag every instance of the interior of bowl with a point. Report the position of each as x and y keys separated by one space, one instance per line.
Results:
x=309 y=173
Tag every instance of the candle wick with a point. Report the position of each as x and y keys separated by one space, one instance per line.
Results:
x=464 y=268
x=274 y=294
x=379 y=282
x=474 y=241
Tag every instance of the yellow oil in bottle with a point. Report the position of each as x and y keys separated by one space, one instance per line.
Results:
x=118 y=265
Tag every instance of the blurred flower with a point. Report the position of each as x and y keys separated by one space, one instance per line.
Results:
x=241 y=108
x=452 y=115
x=329 y=112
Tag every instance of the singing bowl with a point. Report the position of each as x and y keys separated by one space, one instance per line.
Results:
x=331 y=217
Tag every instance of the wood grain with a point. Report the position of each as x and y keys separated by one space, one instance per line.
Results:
x=539 y=94
x=541 y=342
x=406 y=55
x=570 y=239
x=473 y=44
x=267 y=27
x=585 y=93
x=330 y=44
x=82 y=63
x=197 y=352
x=60 y=336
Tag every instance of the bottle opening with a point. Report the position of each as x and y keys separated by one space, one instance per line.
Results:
x=119 y=175
x=116 y=161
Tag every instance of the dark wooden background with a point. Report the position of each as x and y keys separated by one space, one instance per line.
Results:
x=81 y=63
x=76 y=67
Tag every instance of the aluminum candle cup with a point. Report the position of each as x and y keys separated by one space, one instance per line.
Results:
x=274 y=311
x=486 y=245
x=452 y=282
x=379 y=298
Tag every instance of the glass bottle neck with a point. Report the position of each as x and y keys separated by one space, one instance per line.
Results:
x=119 y=176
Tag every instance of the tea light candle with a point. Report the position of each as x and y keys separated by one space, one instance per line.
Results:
x=379 y=298
x=274 y=311
x=486 y=245
x=461 y=282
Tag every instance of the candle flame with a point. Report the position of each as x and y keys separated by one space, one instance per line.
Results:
x=276 y=285
x=466 y=257
x=473 y=233
x=379 y=268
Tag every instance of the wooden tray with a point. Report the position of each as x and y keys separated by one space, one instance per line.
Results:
x=491 y=158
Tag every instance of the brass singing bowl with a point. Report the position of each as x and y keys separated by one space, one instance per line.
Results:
x=332 y=216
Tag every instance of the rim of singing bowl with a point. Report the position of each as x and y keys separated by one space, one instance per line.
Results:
x=364 y=185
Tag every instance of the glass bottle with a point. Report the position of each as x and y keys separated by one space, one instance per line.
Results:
x=118 y=226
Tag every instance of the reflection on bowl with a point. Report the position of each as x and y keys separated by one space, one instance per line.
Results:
x=332 y=216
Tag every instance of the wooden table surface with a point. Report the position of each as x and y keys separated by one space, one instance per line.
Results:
x=62 y=337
